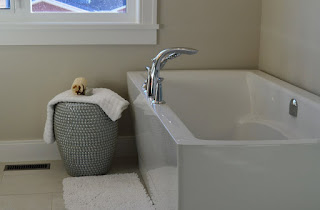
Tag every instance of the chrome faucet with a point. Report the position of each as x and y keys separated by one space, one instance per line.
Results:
x=158 y=63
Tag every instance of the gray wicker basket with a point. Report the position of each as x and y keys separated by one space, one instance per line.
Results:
x=86 y=138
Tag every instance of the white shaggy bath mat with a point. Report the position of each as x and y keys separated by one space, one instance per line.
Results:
x=109 y=192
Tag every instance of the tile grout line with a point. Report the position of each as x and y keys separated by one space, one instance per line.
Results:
x=51 y=201
x=56 y=168
x=48 y=193
x=29 y=194
x=50 y=172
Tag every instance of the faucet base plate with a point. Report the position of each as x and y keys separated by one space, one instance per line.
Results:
x=158 y=102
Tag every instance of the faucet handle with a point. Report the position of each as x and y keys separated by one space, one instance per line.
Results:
x=169 y=57
x=154 y=59
x=144 y=85
x=148 y=71
x=173 y=55
x=158 y=95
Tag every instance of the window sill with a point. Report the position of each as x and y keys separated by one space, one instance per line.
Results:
x=77 y=34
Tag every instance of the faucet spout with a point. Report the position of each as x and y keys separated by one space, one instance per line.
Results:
x=161 y=59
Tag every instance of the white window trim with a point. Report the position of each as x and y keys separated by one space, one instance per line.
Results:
x=142 y=31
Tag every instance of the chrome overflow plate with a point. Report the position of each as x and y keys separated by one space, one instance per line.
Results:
x=293 y=108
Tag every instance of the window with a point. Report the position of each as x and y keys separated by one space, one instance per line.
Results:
x=4 y=4
x=79 y=6
x=68 y=22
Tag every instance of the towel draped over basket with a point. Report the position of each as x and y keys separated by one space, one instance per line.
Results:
x=110 y=102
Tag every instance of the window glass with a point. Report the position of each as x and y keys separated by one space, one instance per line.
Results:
x=78 y=6
x=4 y=4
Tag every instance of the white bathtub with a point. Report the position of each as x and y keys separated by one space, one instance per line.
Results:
x=225 y=141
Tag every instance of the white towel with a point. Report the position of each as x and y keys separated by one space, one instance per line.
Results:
x=110 y=102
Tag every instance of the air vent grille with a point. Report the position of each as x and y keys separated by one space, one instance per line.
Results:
x=44 y=166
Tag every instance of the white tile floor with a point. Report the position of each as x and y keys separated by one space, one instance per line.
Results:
x=42 y=189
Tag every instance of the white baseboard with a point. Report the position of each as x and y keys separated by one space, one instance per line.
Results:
x=35 y=150
x=27 y=150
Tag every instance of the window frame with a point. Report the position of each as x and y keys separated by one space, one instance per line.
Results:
x=137 y=26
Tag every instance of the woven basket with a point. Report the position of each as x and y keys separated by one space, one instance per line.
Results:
x=86 y=138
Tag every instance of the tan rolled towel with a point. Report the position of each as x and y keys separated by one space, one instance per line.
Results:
x=79 y=86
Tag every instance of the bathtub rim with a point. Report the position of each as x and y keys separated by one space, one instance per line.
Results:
x=181 y=134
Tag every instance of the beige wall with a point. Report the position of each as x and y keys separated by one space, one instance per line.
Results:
x=290 y=41
x=225 y=31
